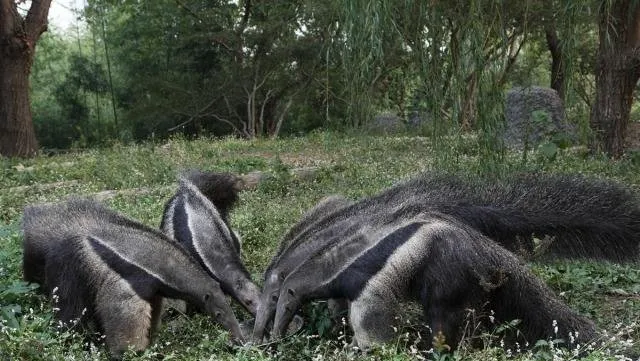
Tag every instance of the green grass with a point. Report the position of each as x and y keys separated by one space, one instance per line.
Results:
x=143 y=177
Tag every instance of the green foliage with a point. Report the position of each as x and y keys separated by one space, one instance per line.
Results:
x=262 y=69
x=141 y=178
x=68 y=91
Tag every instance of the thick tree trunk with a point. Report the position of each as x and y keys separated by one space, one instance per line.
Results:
x=18 y=37
x=615 y=84
x=617 y=74
x=17 y=136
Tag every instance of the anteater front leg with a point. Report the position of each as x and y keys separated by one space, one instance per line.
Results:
x=125 y=317
x=372 y=316
x=157 y=309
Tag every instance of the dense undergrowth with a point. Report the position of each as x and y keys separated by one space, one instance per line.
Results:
x=137 y=180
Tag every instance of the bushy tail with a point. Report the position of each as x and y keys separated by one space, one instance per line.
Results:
x=220 y=188
x=573 y=216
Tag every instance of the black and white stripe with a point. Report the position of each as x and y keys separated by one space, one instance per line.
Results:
x=117 y=269
x=292 y=252
x=193 y=220
x=434 y=260
x=584 y=217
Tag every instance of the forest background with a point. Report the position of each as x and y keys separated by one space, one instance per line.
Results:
x=131 y=71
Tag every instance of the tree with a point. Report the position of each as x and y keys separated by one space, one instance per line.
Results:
x=617 y=72
x=557 y=64
x=18 y=37
x=214 y=67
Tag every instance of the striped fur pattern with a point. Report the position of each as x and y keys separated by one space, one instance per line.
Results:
x=276 y=272
x=583 y=218
x=193 y=218
x=115 y=271
x=439 y=262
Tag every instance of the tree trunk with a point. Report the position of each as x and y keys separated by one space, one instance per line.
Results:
x=617 y=74
x=18 y=37
x=17 y=136
x=557 y=64
x=612 y=106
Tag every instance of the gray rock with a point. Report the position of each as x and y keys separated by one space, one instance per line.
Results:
x=534 y=115
x=386 y=123
x=418 y=119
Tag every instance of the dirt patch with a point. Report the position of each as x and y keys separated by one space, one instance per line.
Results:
x=293 y=160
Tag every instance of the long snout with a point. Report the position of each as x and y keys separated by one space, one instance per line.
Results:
x=264 y=314
x=284 y=315
x=234 y=329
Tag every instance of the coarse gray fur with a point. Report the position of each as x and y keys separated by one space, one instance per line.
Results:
x=87 y=290
x=584 y=217
x=275 y=275
x=115 y=268
x=191 y=218
x=433 y=259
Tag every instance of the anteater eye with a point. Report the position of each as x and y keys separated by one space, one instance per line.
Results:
x=291 y=292
x=274 y=297
x=218 y=314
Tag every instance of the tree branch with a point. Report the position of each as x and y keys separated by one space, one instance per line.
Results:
x=188 y=9
x=245 y=18
x=194 y=116
x=281 y=118
x=36 y=20
x=230 y=123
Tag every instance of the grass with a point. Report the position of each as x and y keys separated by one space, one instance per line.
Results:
x=143 y=177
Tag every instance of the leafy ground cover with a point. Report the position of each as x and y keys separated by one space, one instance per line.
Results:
x=138 y=179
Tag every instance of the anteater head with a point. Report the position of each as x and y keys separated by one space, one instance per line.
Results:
x=215 y=304
x=268 y=300
x=288 y=304
x=247 y=293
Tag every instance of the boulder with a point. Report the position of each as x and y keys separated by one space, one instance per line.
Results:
x=535 y=115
